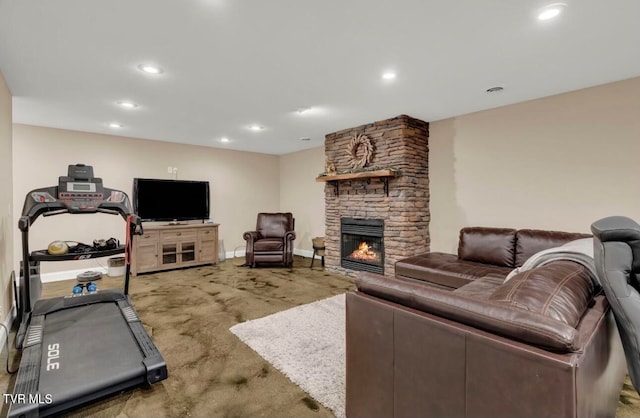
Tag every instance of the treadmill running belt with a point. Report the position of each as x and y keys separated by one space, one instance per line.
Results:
x=85 y=350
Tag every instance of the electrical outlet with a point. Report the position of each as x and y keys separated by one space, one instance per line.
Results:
x=175 y=170
x=170 y=170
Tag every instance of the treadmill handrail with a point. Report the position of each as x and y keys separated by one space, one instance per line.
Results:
x=32 y=209
x=49 y=205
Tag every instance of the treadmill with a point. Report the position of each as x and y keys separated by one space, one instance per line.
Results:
x=78 y=348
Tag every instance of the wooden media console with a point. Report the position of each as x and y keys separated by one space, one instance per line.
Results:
x=165 y=247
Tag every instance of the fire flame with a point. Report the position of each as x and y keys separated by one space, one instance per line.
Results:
x=365 y=252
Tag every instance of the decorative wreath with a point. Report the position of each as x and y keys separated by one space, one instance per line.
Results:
x=355 y=144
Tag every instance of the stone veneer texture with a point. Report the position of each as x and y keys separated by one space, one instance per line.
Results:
x=402 y=143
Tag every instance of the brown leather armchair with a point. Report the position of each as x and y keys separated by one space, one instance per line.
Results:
x=272 y=241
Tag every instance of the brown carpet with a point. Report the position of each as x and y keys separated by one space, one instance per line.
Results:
x=211 y=372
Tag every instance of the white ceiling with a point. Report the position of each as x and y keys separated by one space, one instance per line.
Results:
x=230 y=63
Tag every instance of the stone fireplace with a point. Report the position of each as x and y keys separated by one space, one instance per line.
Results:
x=391 y=192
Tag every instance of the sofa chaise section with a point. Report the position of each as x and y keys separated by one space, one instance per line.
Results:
x=482 y=251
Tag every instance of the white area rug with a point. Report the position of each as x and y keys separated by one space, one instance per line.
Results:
x=307 y=344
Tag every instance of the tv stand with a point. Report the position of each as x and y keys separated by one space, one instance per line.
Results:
x=165 y=247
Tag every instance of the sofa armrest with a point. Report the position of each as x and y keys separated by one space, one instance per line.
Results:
x=251 y=237
x=289 y=237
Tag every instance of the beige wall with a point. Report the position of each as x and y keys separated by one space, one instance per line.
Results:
x=6 y=207
x=242 y=183
x=302 y=195
x=555 y=163
x=560 y=162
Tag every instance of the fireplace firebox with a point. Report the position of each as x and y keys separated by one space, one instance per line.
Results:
x=362 y=244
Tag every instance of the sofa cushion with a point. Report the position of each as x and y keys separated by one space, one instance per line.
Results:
x=561 y=290
x=269 y=244
x=481 y=288
x=486 y=245
x=530 y=241
x=445 y=270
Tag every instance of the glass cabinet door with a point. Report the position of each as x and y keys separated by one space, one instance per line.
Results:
x=188 y=251
x=169 y=253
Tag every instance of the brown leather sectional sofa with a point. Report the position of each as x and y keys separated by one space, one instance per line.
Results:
x=448 y=337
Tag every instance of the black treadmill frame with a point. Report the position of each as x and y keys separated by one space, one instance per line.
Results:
x=32 y=310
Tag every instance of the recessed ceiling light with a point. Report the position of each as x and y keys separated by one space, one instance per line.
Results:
x=224 y=139
x=127 y=105
x=310 y=111
x=389 y=75
x=150 y=69
x=551 y=11
x=495 y=89
x=256 y=128
x=115 y=125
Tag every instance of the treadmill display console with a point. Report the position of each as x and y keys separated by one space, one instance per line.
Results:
x=79 y=190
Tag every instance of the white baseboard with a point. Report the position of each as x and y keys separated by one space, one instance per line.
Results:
x=241 y=253
x=71 y=274
x=303 y=253
x=232 y=254
x=8 y=322
x=68 y=274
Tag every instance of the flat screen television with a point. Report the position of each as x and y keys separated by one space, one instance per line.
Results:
x=170 y=200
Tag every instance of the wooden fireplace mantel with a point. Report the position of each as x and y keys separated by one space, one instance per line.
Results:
x=383 y=175
x=358 y=175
